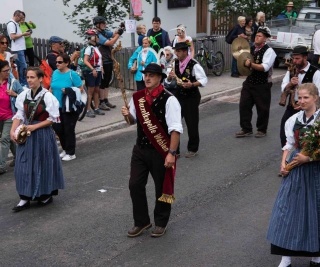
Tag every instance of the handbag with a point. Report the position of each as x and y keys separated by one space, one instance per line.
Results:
x=21 y=133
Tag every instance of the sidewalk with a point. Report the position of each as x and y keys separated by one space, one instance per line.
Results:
x=113 y=120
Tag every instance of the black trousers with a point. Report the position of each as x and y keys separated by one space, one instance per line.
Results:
x=29 y=53
x=190 y=113
x=66 y=131
x=260 y=96
x=143 y=162
x=287 y=114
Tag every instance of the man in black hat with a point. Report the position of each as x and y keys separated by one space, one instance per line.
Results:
x=256 y=89
x=158 y=116
x=300 y=72
x=189 y=76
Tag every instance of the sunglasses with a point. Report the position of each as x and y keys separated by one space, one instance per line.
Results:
x=3 y=43
x=59 y=62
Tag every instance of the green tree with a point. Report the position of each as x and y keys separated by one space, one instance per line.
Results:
x=271 y=8
x=114 y=11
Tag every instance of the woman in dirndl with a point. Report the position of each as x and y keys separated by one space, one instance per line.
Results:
x=294 y=228
x=38 y=169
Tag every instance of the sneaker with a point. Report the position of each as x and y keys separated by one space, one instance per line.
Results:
x=2 y=171
x=108 y=104
x=260 y=134
x=69 y=157
x=90 y=114
x=98 y=112
x=243 y=133
x=191 y=154
x=62 y=154
x=12 y=163
x=158 y=231
x=103 y=106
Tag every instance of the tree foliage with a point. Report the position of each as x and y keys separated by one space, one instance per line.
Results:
x=114 y=11
x=251 y=7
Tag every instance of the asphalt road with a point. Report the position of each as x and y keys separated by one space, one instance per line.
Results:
x=224 y=199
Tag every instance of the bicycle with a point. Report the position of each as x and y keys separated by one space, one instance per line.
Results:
x=208 y=59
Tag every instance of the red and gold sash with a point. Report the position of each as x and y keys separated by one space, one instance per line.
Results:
x=158 y=138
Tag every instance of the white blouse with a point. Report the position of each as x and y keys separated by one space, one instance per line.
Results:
x=289 y=127
x=51 y=102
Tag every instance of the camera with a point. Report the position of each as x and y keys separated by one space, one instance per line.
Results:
x=121 y=28
x=29 y=31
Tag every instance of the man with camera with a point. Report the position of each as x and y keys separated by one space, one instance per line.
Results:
x=18 y=44
x=106 y=41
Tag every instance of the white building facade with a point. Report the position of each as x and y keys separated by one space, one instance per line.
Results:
x=49 y=17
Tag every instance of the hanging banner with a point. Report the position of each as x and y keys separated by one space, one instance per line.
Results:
x=130 y=26
x=136 y=7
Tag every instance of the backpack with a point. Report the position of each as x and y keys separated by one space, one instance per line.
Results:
x=228 y=37
x=81 y=64
x=45 y=67
x=5 y=31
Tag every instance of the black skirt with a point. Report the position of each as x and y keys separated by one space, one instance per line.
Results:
x=287 y=252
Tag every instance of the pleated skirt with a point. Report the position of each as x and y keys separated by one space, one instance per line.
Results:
x=294 y=223
x=38 y=169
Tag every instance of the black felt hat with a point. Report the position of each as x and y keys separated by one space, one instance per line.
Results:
x=154 y=68
x=264 y=31
x=181 y=45
x=300 y=50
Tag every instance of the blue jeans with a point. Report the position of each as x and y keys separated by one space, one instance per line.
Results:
x=5 y=142
x=22 y=66
x=234 y=68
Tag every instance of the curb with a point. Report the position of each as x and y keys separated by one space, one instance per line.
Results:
x=122 y=124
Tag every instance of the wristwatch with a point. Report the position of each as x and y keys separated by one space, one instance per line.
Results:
x=173 y=152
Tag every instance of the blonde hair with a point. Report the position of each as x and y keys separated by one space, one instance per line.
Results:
x=146 y=38
x=259 y=15
x=240 y=18
x=139 y=28
x=310 y=87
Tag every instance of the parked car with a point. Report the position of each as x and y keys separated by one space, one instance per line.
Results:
x=288 y=33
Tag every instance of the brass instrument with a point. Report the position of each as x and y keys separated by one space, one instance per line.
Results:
x=290 y=90
x=117 y=73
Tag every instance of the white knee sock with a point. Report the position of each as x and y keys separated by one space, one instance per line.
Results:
x=22 y=202
x=285 y=261
x=316 y=259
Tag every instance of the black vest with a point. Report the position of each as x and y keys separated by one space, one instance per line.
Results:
x=186 y=92
x=258 y=77
x=158 y=108
x=308 y=77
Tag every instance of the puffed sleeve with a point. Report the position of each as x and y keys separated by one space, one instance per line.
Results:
x=288 y=127
x=52 y=107
x=20 y=115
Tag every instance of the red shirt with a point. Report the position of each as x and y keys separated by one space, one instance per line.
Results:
x=5 y=104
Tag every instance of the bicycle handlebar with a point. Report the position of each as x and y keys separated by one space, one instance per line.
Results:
x=209 y=38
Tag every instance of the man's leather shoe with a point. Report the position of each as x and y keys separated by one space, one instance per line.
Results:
x=158 y=231
x=21 y=208
x=137 y=230
x=312 y=263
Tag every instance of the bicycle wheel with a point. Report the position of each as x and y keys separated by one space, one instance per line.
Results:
x=85 y=100
x=218 y=63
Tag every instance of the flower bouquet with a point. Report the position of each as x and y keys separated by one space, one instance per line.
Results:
x=310 y=143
